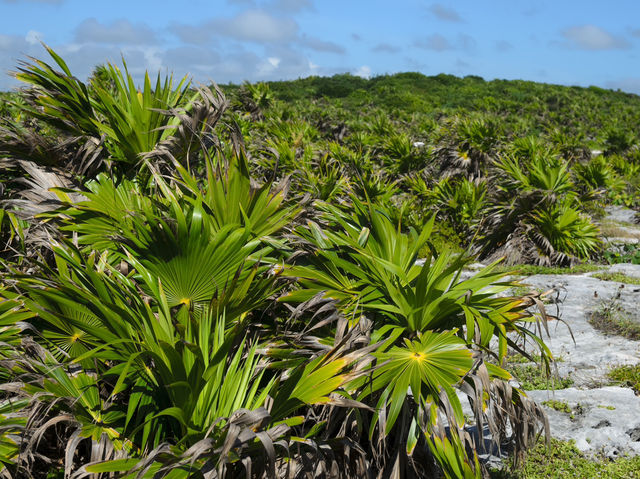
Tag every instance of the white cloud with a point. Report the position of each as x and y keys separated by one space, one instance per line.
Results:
x=250 y=25
x=321 y=45
x=385 y=48
x=194 y=34
x=275 y=61
x=12 y=49
x=153 y=59
x=364 y=71
x=237 y=64
x=193 y=59
x=6 y=41
x=434 y=42
x=118 y=32
x=257 y=26
x=590 y=37
x=444 y=13
x=439 y=43
x=33 y=37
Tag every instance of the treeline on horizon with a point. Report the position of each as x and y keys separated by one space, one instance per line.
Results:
x=412 y=92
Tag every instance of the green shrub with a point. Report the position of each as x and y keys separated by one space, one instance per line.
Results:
x=562 y=460
x=533 y=376
x=627 y=376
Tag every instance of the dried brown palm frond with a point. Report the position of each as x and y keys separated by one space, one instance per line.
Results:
x=52 y=436
x=37 y=191
x=81 y=155
x=504 y=412
x=525 y=245
x=255 y=99
x=20 y=141
x=335 y=130
x=516 y=249
x=245 y=435
x=466 y=148
x=509 y=234
x=193 y=129
x=456 y=161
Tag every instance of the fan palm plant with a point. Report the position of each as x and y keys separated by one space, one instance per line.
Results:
x=401 y=156
x=527 y=191
x=572 y=145
x=461 y=203
x=149 y=373
x=160 y=345
x=596 y=178
x=115 y=214
x=467 y=146
x=323 y=178
x=116 y=121
x=149 y=342
x=255 y=99
x=429 y=323
x=374 y=185
x=531 y=148
x=619 y=140
x=564 y=231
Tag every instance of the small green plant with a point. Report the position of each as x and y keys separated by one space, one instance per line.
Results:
x=578 y=410
x=609 y=408
x=443 y=238
x=627 y=253
x=533 y=376
x=531 y=269
x=627 y=375
x=617 y=277
x=562 y=460
x=560 y=406
x=610 y=317
x=514 y=357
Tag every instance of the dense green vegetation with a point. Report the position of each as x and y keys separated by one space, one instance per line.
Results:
x=627 y=376
x=563 y=460
x=507 y=166
x=618 y=278
x=270 y=284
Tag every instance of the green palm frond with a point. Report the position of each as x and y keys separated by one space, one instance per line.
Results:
x=567 y=231
x=113 y=114
x=425 y=367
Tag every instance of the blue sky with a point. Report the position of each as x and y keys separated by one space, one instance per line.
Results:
x=563 y=41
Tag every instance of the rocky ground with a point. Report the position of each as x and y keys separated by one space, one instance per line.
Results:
x=601 y=417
